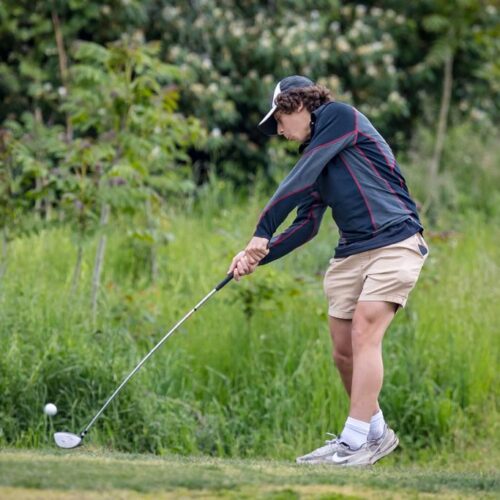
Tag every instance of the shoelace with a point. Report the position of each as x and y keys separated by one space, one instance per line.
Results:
x=333 y=440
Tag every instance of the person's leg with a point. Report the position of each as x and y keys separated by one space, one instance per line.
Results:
x=342 y=287
x=365 y=289
x=369 y=324
x=389 y=276
x=340 y=332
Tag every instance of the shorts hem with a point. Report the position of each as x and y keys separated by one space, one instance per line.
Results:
x=396 y=299
x=340 y=314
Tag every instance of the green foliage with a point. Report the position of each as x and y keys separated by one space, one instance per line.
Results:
x=9 y=184
x=30 y=157
x=383 y=58
x=92 y=122
x=380 y=58
x=251 y=373
x=124 y=147
x=469 y=177
x=28 y=45
x=352 y=51
x=123 y=102
x=127 y=143
x=123 y=124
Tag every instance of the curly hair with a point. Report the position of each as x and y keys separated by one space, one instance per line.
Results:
x=311 y=97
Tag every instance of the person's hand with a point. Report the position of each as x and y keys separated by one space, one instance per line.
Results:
x=242 y=265
x=257 y=249
x=246 y=261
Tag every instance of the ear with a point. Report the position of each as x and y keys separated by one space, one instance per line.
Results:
x=300 y=108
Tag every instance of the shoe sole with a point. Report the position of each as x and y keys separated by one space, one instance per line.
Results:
x=313 y=461
x=324 y=461
x=381 y=454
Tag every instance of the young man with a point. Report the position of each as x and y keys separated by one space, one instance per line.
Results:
x=346 y=165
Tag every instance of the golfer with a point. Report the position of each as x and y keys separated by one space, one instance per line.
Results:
x=345 y=164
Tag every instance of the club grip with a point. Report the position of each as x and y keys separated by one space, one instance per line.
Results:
x=224 y=282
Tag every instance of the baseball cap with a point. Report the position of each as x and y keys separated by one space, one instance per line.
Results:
x=268 y=124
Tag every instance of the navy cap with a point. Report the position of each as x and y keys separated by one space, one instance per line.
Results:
x=268 y=124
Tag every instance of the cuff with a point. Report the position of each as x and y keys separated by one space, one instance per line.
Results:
x=261 y=233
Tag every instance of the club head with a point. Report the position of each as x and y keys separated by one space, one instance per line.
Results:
x=67 y=440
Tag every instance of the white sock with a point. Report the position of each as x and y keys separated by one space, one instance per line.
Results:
x=377 y=426
x=355 y=433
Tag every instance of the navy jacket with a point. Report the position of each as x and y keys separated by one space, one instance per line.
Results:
x=347 y=166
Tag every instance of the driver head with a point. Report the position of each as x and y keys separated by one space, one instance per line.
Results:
x=67 y=440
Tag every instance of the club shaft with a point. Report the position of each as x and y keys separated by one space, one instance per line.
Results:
x=152 y=351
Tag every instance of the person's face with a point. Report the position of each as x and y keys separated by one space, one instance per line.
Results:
x=294 y=126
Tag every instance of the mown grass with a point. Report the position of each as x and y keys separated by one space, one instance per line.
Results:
x=112 y=475
x=250 y=375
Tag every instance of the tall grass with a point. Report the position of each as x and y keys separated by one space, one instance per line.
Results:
x=250 y=374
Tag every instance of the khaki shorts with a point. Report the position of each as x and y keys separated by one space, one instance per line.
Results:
x=384 y=274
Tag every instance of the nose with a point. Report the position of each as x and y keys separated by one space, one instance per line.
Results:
x=280 y=129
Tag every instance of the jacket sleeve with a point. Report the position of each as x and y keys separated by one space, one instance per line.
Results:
x=305 y=227
x=335 y=130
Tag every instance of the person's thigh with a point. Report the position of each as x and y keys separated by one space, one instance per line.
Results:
x=343 y=284
x=393 y=271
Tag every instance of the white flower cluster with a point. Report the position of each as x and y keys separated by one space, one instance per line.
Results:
x=357 y=38
x=396 y=98
x=170 y=12
x=342 y=44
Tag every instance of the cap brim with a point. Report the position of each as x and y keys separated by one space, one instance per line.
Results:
x=268 y=124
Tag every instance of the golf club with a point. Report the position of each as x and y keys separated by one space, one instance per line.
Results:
x=69 y=440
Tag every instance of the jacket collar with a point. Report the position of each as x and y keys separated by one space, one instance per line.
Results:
x=314 y=118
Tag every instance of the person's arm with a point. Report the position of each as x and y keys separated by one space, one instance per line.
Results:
x=304 y=228
x=336 y=130
x=260 y=251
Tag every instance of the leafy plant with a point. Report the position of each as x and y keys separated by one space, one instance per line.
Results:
x=127 y=152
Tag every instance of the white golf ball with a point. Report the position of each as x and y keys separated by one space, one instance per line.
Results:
x=50 y=409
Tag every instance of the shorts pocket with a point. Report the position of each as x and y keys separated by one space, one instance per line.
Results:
x=415 y=244
x=423 y=247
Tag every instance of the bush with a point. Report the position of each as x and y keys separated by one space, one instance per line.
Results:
x=250 y=374
x=469 y=176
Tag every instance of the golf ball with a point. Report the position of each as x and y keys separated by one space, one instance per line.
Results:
x=50 y=409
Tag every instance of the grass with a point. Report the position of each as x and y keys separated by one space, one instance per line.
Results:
x=250 y=375
x=98 y=474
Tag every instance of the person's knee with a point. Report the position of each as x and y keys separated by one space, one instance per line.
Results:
x=369 y=325
x=342 y=359
x=364 y=336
